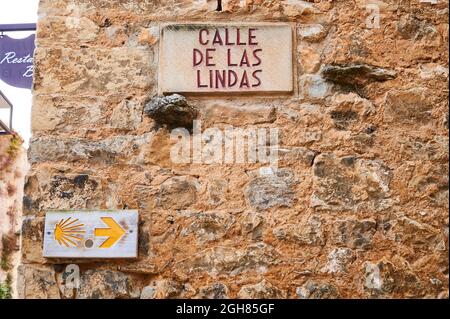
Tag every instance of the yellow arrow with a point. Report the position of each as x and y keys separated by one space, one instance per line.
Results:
x=114 y=232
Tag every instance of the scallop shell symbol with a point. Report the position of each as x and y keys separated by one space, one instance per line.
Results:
x=69 y=232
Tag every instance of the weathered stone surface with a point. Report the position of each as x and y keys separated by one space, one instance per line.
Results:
x=148 y=292
x=356 y=74
x=256 y=257
x=317 y=290
x=411 y=106
x=173 y=110
x=354 y=233
x=108 y=151
x=349 y=183
x=271 y=191
x=415 y=234
x=177 y=193
x=105 y=284
x=305 y=233
x=252 y=225
x=98 y=71
x=410 y=27
x=383 y=278
x=126 y=115
x=32 y=237
x=338 y=260
x=209 y=226
x=314 y=88
x=261 y=290
x=240 y=115
x=312 y=32
x=37 y=283
x=50 y=190
x=214 y=291
x=349 y=109
x=163 y=289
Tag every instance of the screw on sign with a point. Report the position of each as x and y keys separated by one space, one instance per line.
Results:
x=91 y=234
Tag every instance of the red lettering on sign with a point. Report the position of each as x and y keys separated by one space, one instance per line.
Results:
x=229 y=58
x=197 y=57
x=257 y=57
x=255 y=76
x=199 y=84
x=252 y=37
x=209 y=57
x=200 y=36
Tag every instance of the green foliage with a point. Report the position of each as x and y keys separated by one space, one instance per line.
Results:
x=5 y=289
x=14 y=146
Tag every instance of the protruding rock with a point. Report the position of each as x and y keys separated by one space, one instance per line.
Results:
x=173 y=111
x=356 y=74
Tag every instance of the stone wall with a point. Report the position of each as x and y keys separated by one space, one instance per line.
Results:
x=13 y=168
x=357 y=208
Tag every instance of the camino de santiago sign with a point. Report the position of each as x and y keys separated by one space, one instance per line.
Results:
x=226 y=58
x=16 y=61
x=91 y=234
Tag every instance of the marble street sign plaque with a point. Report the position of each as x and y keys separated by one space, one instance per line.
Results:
x=214 y=58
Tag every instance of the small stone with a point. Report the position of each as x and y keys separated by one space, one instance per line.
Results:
x=410 y=27
x=411 y=106
x=338 y=260
x=314 y=87
x=270 y=191
x=312 y=32
x=304 y=233
x=104 y=284
x=355 y=234
x=126 y=115
x=165 y=289
x=254 y=258
x=356 y=185
x=148 y=292
x=309 y=60
x=317 y=290
x=214 y=291
x=37 y=283
x=209 y=226
x=379 y=277
x=348 y=109
x=173 y=110
x=177 y=193
x=261 y=290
